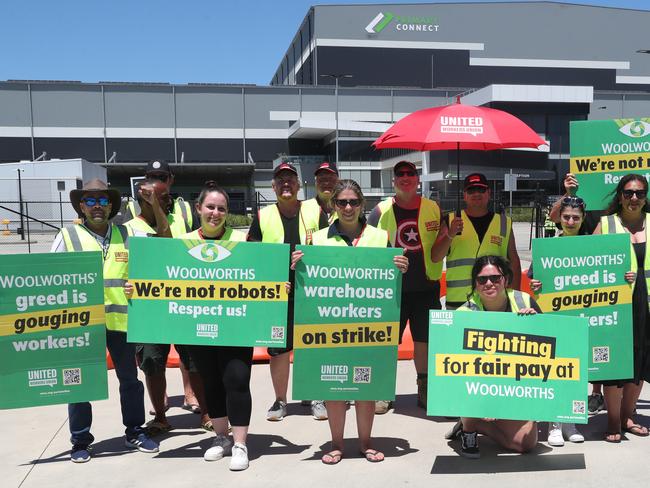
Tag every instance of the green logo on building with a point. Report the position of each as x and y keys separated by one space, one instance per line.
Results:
x=378 y=24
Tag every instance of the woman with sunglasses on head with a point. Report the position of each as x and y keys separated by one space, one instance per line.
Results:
x=226 y=371
x=628 y=213
x=350 y=229
x=491 y=277
x=572 y=215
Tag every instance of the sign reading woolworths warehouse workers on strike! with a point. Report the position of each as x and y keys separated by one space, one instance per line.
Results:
x=52 y=334
x=216 y=293
x=603 y=151
x=502 y=365
x=346 y=323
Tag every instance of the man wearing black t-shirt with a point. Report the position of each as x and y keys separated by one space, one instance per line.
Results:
x=289 y=222
x=476 y=232
x=412 y=223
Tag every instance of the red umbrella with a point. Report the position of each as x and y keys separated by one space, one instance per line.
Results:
x=459 y=126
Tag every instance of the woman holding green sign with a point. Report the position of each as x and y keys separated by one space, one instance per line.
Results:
x=572 y=215
x=226 y=371
x=350 y=229
x=491 y=276
x=628 y=213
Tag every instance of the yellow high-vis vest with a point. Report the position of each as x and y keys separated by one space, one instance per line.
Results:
x=182 y=219
x=229 y=235
x=370 y=237
x=273 y=231
x=428 y=229
x=611 y=224
x=116 y=268
x=175 y=225
x=465 y=248
x=518 y=300
x=312 y=205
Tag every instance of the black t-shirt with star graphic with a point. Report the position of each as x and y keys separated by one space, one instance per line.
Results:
x=408 y=237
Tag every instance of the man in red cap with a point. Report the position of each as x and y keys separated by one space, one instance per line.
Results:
x=326 y=177
x=412 y=223
x=477 y=232
x=288 y=221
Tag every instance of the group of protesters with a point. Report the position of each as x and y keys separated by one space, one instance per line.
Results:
x=483 y=272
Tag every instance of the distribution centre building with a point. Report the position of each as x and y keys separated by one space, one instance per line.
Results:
x=546 y=62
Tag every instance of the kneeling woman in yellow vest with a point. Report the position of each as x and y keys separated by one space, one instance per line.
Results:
x=350 y=229
x=225 y=371
x=491 y=276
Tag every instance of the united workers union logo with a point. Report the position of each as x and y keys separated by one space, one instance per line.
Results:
x=465 y=125
x=209 y=253
x=402 y=23
x=634 y=128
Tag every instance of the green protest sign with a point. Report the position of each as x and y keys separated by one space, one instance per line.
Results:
x=346 y=328
x=52 y=334
x=585 y=276
x=502 y=365
x=216 y=293
x=602 y=151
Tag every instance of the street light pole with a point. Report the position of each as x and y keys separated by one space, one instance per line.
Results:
x=20 y=199
x=336 y=78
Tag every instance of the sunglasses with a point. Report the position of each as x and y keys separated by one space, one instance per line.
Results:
x=353 y=202
x=92 y=201
x=405 y=173
x=476 y=189
x=574 y=201
x=640 y=194
x=482 y=280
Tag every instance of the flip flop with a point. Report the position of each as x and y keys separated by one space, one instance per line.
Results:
x=372 y=455
x=332 y=457
x=207 y=425
x=153 y=412
x=636 y=429
x=613 y=437
x=154 y=428
x=191 y=407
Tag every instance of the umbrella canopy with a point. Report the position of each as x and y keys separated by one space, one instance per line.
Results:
x=459 y=126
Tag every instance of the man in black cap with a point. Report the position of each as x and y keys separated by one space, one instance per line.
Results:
x=97 y=205
x=412 y=223
x=477 y=232
x=288 y=221
x=326 y=177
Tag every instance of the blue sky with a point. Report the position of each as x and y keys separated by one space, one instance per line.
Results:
x=163 y=41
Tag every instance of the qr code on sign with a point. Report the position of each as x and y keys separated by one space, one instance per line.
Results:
x=601 y=354
x=362 y=374
x=578 y=407
x=72 y=376
x=277 y=333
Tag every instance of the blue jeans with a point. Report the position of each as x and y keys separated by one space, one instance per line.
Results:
x=80 y=415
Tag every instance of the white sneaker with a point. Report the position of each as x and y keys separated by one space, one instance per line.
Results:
x=571 y=433
x=239 y=460
x=555 y=438
x=277 y=411
x=221 y=446
x=318 y=410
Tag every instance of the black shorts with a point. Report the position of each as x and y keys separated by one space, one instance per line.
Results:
x=153 y=358
x=415 y=310
x=276 y=351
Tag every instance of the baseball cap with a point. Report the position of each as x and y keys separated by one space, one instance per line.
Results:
x=327 y=166
x=157 y=166
x=408 y=164
x=284 y=166
x=475 y=179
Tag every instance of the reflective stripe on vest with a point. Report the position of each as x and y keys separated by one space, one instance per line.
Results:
x=465 y=248
x=273 y=231
x=428 y=228
x=115 y=267
x=518 y=300
x=182 y=217
x=175 y=225
x=370 y=237
x=611 y=224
